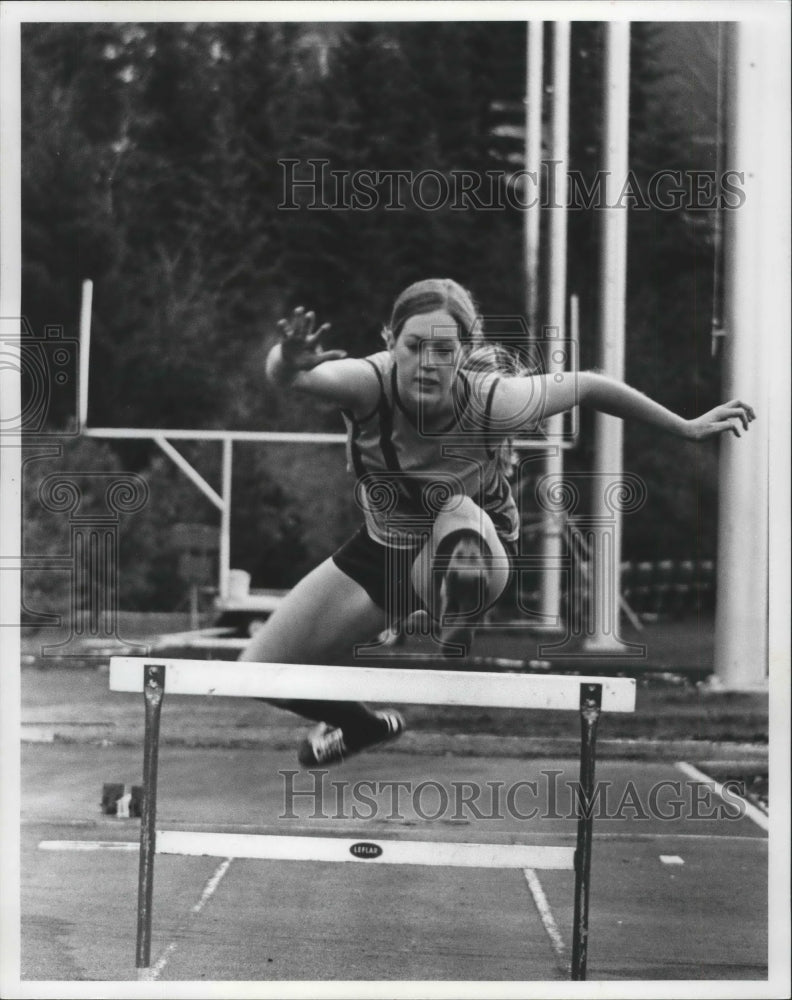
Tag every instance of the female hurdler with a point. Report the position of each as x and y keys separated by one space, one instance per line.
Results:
x=427 y=419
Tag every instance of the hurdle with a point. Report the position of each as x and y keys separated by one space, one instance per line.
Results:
x=589 y=696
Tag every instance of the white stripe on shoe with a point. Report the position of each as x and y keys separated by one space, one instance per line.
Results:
x=326 y=745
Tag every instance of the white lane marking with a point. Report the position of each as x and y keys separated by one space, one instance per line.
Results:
x=211 y=885
x=671 y=859
x=89 y=845
x=120 y=845
x=206 y=895
x=36 y=734
x=546 y=916
x=155 y=971
x=751 y=811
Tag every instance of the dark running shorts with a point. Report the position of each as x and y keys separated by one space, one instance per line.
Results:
x=384 y=572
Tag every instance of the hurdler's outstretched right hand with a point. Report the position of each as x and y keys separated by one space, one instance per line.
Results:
x=300 y=349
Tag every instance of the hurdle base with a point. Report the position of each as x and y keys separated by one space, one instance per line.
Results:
x=364 y=850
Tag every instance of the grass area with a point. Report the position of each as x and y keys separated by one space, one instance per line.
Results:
x=663 y=713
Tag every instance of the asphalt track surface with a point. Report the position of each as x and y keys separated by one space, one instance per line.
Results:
x=671 y=899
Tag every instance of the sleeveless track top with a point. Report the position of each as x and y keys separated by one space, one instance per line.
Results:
x=405 y=475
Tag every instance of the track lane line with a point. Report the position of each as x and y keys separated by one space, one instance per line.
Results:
x=89 y=845
x=548 y=920
x=751 y=811
x=208 y=891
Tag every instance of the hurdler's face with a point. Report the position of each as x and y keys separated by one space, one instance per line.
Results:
x=427 y=353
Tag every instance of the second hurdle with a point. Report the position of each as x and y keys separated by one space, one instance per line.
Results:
x=589 y=696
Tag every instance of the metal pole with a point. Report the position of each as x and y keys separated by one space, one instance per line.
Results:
x=756 y=304
x=153 y=691
x=613 y=280
x=574 y=319
x=717 y=331
x=552 y=527
x=225 y=519
x=86 y=304
x=590 y=704
x=533 y=166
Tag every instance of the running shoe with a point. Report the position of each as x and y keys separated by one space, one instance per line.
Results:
x=325 y=744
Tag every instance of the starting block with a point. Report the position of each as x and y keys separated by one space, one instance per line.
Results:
x=589 y=696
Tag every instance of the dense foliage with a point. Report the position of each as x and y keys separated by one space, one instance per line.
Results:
x=151 y=165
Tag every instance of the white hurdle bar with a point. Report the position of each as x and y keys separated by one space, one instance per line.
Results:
x=586 y=695
x=235 y=679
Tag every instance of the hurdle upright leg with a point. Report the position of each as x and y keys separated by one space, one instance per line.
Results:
x=153 y=691
x=590 y=704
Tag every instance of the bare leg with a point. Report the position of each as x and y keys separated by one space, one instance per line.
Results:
x=320 y=621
